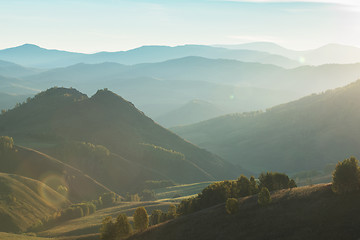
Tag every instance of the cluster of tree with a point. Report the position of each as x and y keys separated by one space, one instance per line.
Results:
x=219 y=192
x=121 y=227
x=145 y=195
x=346 y=177
x=76 y=211
x=108 y=199
x=275 y=181
x=158 y=216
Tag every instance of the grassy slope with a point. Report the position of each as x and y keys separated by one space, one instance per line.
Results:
x=24 y=201
x=301 y=135
x=39 y=166
x=312 y=212
x=91 y=224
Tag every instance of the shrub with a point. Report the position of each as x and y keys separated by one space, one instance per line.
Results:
x=232 y=205
x=346 y=177
x=264 y=197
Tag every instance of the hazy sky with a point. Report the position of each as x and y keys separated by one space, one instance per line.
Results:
x=110 y=25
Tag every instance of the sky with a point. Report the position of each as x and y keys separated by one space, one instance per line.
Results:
x=112 y=25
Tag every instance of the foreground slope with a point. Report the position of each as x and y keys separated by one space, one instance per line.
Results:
x=301 y=135
x=24 y=202
x=61 y=115
x=301 y=213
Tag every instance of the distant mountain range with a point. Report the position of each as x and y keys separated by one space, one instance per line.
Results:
x=328 y=54
x=35 y=56
x=301 y=135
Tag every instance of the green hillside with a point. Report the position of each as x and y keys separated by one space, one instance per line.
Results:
x=301 y=213
x=24 y=202
x=60 y=116
x=302 y=135
x=36 y=165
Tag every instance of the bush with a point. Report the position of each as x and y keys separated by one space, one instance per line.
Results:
x=264 y=197
x=346 y=177
x=141 y=219
x=232 y=205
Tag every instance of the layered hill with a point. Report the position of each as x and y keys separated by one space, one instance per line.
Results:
x=10 y=69
x=24 y=202
x=38 y=166
x=192 y=112
x=301 y=213
x=301 y=135
x=62 y=115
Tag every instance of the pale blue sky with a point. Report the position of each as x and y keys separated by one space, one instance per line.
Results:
x=110 y=25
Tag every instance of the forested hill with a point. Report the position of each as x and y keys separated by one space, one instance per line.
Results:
x=61 y=115
x=300 y=135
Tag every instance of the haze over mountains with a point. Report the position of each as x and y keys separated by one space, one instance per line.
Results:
x=301 y=135
x=164 y=79
x=160 y=88
x=330 y=53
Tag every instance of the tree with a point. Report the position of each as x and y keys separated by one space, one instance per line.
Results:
x=243 y=185
x=171 y=214
x=232 y=205
x=346 y=177
x=141 y=219
x=6 y=144
x=107 y=229
x=254 y=188
x=155 y=217
x=264 y=197
x=122 y=225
